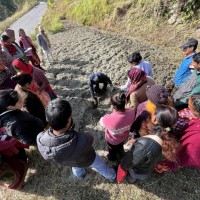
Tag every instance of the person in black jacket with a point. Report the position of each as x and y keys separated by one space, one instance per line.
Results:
x=147 y=151
x=64 y=145
x=94 y=80
x=18 y=124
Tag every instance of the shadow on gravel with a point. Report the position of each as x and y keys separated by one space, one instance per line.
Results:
x=56 y=189
x=61 y=70
x=69 y=61
x=49 y=180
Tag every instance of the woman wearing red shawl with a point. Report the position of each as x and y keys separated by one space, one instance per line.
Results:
x=136 y=93
x=41 y=82
x=189 y=136
x=12 y=50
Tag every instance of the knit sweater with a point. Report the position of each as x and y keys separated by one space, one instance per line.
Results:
x=117 y=126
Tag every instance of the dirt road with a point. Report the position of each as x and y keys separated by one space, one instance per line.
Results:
x=30 y=20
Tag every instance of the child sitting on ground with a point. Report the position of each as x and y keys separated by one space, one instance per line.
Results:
x=117 y=126
x=63 y=145
x=147 y=151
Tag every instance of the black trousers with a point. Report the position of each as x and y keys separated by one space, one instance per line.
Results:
x=116 y=152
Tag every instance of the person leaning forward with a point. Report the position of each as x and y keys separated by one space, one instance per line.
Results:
x=94 y=80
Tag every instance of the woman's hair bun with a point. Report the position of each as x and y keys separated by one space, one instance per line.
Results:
x=122 y=96
x=15 y=77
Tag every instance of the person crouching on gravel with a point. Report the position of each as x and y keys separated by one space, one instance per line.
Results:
x=117 y=126
x=136 y=92
x=94 y=80
x=64 y=145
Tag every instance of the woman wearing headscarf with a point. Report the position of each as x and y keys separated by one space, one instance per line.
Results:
x=136 y=92
x=25 y=42
x=41 y=82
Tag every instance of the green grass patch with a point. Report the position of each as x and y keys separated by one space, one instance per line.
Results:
x=51 y=20
x=89 y=12
x=52 y=23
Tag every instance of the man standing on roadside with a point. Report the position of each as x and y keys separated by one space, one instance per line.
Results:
x=185 y=69
x=45 y=45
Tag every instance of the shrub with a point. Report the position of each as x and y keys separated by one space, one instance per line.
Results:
x=89 y=11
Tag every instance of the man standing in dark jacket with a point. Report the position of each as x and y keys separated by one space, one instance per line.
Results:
x=63 y=145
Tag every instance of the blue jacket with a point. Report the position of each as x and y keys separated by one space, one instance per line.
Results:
x=183 y=71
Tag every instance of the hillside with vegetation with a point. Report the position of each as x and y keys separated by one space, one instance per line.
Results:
x=9 y=7
x=168 y=20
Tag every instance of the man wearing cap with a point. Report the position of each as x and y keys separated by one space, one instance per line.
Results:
x=185 y=69
x=95 y=79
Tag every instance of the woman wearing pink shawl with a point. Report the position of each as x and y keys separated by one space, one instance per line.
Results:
x=25 y=43
x=136 y=92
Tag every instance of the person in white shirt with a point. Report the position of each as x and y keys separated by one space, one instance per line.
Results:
x=135 y=60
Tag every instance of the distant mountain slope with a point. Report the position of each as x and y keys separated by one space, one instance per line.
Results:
x=9 y=7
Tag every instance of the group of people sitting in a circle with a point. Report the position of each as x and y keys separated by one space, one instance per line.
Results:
x=161 y=129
